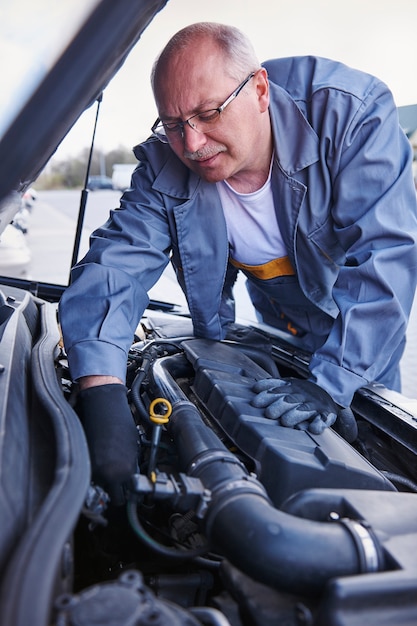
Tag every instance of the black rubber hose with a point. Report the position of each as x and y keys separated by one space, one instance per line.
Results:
x=135 y=388
x=170 y=552
x=346 y=425
x=273 y=547
x=397 y=479
x=277 y=549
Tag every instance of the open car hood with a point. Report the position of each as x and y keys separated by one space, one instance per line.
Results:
x=77 y=76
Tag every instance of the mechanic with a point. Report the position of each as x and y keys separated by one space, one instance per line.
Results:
x=296 y=173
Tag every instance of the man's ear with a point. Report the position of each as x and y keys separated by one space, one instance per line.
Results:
x=262 y=88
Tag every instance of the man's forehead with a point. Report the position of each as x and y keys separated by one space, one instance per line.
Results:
x=194 y=58
x=192 y=86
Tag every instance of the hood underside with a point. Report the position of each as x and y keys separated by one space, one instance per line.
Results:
x=78 y=77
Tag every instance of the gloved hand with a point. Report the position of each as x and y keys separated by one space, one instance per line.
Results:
x=111 y=436
x=296 y=403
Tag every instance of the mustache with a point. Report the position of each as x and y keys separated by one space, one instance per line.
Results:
x=204 y=153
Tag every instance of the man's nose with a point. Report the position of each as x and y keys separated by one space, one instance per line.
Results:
x=193 y=139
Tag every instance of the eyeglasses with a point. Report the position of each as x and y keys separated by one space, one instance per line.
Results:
x=202 y=122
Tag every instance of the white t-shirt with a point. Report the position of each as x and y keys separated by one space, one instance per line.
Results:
x=252 y=226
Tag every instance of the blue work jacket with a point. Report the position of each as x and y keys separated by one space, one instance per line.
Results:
x=346 y=206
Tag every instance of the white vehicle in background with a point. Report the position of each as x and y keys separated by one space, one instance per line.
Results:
x=122 y=173
x=15 y=256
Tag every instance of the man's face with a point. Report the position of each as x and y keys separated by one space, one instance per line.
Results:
x=196 y=81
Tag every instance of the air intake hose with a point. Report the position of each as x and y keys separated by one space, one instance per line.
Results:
x=280 y=550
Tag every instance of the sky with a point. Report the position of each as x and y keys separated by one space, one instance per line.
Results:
x=377 y=37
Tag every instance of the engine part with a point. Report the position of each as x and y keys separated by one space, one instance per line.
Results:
x=282 y=551
x=124 y=602
x=286 y=460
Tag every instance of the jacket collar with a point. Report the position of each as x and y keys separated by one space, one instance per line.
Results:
x=175 y=179
x=296 y=143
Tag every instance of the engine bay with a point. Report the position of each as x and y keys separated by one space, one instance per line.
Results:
x=230 y=520
x=234 y=519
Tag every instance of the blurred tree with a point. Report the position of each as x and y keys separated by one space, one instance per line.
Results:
x=118 y=155
x=71 y=172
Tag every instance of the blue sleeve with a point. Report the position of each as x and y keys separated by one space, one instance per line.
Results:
x=100 y=310
x=375 y=221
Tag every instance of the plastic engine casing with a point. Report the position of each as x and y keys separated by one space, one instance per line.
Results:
x=286 y=460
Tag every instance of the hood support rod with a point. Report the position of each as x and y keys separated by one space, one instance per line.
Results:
x=84 y=194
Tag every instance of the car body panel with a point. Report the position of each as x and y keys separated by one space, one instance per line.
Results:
x=44 y=465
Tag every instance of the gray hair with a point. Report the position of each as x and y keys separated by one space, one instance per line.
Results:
x=237 y=48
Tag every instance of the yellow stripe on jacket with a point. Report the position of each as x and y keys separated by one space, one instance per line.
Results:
x=272 y=269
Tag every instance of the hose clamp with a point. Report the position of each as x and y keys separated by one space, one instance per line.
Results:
x=370 y=557
x=211 y=456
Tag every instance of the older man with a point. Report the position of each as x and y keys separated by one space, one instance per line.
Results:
x=296 y=173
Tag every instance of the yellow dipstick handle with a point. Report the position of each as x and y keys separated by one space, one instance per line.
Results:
x=155 y=417
x=158 y=421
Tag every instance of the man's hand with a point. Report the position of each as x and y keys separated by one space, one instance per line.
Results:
x=111 y=436
x=296 y=403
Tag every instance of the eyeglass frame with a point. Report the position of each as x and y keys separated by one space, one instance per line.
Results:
x=181 y=124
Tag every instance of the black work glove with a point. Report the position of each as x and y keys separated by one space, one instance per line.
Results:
x=111 y=436
x=296 y=403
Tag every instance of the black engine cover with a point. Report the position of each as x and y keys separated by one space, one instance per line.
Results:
x=287 y=460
